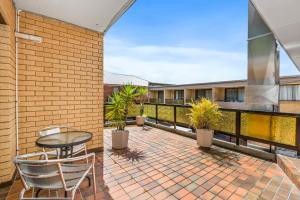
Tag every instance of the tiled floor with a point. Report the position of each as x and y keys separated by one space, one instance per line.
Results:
x=162 y=165
x=291 y=167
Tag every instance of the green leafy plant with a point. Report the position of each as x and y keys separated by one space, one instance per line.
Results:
x=128 y=94
x=204 y=114
x=120 y=103
x=116 y=112
x=142 y=93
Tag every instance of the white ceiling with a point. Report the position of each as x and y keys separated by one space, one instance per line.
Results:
x=283 y=18
x=96 y=15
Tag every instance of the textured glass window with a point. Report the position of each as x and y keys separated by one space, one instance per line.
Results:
x=203 y=93
x=179 y=94
x=234 y=94
x=290 y=92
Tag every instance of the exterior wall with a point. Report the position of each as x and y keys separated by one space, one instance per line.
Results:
x=169 y=94
x=7 y=91
x=218 y=94
x=108 y=90
x=153 y=94
x=61 y=79
x=289 y=106
x=188 y=95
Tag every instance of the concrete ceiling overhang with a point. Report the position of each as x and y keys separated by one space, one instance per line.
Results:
x=97 y=15
x=283 y=18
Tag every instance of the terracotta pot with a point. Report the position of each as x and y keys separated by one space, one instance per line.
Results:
x=119 y=139
x=204 y=137
x=140 y=120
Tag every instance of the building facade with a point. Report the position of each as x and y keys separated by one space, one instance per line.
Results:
x=228 y=94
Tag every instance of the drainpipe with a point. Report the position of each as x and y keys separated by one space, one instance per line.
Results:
x=17 y=81
x=26 y=37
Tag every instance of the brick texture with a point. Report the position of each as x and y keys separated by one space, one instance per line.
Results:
x=7 y=103
x=60 y=79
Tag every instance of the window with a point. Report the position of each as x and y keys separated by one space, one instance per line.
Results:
x=290 y=92
x=178 y=94
x=160 y=95
x=234 y=94
x=203 y=93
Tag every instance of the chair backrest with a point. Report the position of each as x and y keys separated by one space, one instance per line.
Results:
x=55 y=129
x=49 y=131
x=39 y=174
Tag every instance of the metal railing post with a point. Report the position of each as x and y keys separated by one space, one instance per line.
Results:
x=298 y=135
x=174 y=117
x=156 y=114
x=238 y=127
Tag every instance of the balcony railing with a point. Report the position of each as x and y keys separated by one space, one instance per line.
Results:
x=273 y=128
x=153 y=100
x=174 y=101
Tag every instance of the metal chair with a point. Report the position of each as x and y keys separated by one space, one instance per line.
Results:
x=66 y=174
x=58 y=129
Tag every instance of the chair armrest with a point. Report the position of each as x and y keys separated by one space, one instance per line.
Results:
x=84 y=157
x=31 y=155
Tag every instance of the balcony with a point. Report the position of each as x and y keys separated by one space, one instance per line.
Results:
x=162 y=165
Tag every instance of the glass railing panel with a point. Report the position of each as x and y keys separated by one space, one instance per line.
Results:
x=182 y=115
x=149 y=110
x=227 y=122
x=256 y=126
x=134 y=111
x=166 y=113
x=284 y=130
x=279 y=129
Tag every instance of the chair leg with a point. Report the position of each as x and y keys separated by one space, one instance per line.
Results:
x=37 y=193
x=89 y=180
x=94 y=182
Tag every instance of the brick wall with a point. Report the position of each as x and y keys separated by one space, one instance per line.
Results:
x=61 y=79
x=7 y=103
x=7 y=92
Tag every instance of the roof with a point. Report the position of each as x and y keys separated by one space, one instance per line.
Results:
x=284 y=80
x=97 y=15
x=121 y=79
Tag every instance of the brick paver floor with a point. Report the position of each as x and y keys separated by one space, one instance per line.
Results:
x=162 y=165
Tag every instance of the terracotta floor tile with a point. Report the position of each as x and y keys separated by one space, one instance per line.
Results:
x=172 y=167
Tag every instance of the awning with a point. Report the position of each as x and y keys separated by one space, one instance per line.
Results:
x=97 y=15
x=283 y=18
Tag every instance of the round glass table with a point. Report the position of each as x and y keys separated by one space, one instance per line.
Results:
x=65 y=141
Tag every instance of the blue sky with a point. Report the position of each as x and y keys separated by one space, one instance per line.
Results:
x=175 y=41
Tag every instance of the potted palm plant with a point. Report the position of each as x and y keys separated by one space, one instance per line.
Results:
x=204 y=115
x=142 y=94
x=117 y=114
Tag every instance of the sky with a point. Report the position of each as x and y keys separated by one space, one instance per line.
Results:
x=180 y=42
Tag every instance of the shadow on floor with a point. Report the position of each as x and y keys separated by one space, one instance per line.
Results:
x=227 y=158
x=131 y=155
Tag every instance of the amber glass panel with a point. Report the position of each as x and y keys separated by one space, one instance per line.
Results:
x=284 y=130
x=166 y=113
x=227 y=122
x=134 y=111
x=182 y=115
x=278 y=129
x=149 y=111
x=256 y=126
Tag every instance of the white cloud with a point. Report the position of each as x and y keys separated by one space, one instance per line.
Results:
x=174 y=64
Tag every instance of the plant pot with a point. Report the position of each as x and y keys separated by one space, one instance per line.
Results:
x=119 y=139
x=140 y=120
x=204 y=137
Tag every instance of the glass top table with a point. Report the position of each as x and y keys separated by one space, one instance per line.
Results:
x=64 y=141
